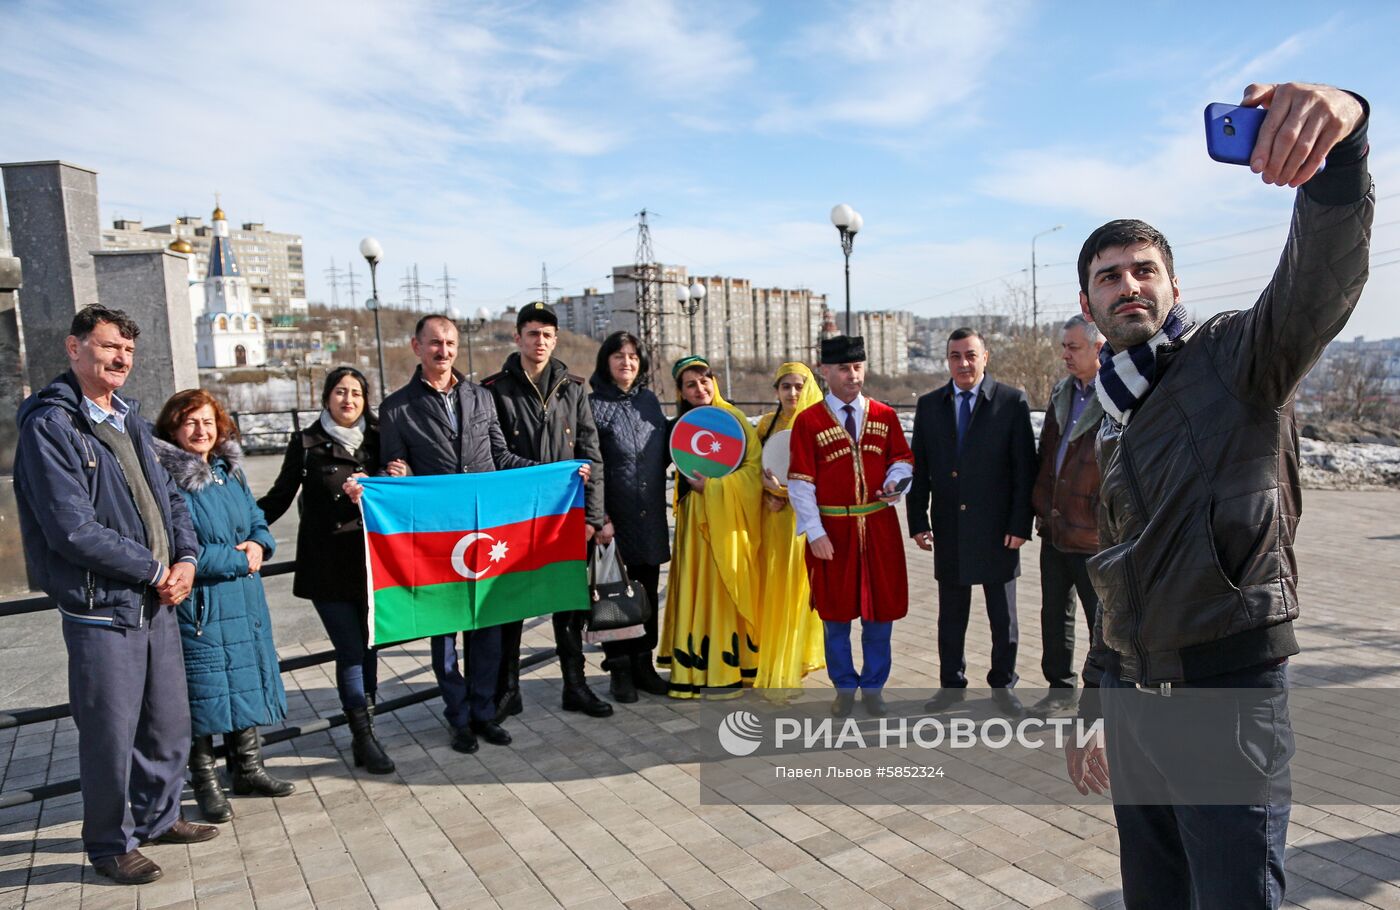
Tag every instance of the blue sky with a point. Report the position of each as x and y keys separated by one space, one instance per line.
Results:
x=493 y=137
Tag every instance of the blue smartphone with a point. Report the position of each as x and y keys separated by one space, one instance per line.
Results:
x=1231 y=131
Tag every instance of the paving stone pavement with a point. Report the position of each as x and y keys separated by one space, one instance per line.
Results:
x=591 y=814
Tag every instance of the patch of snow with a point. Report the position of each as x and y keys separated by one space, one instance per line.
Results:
x=1348 y=465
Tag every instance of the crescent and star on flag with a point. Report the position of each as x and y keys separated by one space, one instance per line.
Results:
x=499 y=549
x=713 y=447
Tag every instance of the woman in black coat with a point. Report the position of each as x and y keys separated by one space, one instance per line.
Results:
x=632 y=434
x=331 y=544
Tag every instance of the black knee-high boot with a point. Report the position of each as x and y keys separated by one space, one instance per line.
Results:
x=204 y=779
x=246 y=766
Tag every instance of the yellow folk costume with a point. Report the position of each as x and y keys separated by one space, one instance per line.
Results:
x=790 y=632
x=709 y=636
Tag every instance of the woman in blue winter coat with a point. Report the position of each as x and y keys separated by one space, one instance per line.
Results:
x=231 y=667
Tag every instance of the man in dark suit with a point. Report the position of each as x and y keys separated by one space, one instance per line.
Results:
x=974 y=467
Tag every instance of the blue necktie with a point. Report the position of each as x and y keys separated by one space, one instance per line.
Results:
x=964 y=417
x=850 y=420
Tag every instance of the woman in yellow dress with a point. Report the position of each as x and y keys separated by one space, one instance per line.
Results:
x=710 y=637
x=789 y=630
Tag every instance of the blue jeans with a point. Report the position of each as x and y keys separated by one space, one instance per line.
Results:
x=356 y=663
x=875 y=654
x=1201 y=856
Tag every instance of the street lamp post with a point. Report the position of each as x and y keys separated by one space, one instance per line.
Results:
x=728 y=345
x=1035 y=301
x=373 y=252
x=848 y=223
x=691 y=299
x=471 y=327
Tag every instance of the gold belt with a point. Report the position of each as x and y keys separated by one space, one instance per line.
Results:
x=852 y=511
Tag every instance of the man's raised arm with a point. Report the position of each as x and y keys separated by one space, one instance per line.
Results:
x=1325 y=262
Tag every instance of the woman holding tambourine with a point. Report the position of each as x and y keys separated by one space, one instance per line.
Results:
x=709 y=637
x=789 y=630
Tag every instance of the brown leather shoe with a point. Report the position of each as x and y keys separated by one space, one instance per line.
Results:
x=183 y=832
x=131 y=868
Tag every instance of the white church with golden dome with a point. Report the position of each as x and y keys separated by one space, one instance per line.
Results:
x=227 y=331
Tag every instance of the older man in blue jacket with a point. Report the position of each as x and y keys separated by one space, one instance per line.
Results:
x=108 y=537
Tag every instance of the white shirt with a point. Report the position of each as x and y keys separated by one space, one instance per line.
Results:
x=972 y=403
x=802 y=494
x=838 y=407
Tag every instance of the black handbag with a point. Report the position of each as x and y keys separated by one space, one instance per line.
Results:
x=615 y=604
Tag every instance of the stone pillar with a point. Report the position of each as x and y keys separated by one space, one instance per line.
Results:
x=152 y=287
x=55 y=227
x=11 y=367
x=14 y=578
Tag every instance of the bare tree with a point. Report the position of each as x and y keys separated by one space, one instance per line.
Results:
x=1351 y=385
x=1022 y=355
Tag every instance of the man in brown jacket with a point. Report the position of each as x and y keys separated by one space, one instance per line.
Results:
x=1066 y=500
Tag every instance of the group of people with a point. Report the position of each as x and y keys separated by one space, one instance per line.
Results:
x=536 y=411
x=1165 y=488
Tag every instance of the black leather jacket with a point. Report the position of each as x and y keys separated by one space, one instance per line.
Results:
x=331 y=533
x=553 y=425
x=1201 y=496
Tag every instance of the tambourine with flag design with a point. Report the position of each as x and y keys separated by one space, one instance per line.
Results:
x=707 y=441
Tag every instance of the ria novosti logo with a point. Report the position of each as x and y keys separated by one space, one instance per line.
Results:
x=741 y=733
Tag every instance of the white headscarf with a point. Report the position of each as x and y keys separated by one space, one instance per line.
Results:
x=350 y=437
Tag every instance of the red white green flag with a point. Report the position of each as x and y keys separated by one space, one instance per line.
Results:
x=456 y=552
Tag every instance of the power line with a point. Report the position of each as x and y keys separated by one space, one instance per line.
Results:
x=413 y=288
x=523 y=291
x=648 y=285
x=1267 y=227
x=965 y=287
x=543 y=287
x=350 y=282
x=333 y=276
x=1194 y=263
x=446 y=286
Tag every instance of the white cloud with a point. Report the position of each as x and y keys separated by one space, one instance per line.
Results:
x=1170 y=175
x=893 y=64
x=675 y=50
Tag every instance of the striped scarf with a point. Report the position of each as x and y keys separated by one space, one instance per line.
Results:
x=1125 y=377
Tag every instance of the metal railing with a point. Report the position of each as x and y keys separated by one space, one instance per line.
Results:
x=24 y=717
x=267 y=432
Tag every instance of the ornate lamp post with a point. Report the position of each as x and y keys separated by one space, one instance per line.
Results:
x=848 y=223
x=373 y=252
x=691 y=299
x=469 y=328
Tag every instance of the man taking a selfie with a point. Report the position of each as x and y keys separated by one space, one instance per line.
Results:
x=1200 y=500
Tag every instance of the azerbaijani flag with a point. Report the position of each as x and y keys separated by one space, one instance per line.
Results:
x=708 y=441
x=464 y=551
